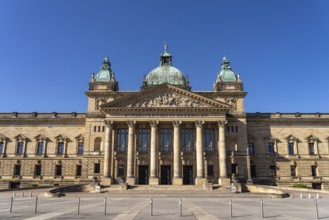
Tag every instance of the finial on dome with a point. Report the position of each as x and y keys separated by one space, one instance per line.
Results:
x=165 y=47
x=92 y=77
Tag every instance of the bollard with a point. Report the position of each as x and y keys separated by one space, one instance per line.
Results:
x=105 y=202
x=11 y=205
x=231 y=208
x=301 y=195
x=317 y=196
x=180 y=207
x=151 y=206
x=30 y=194
x=22 y=195
x=36 y=204
x=262 y=207
x=78 y=205
x=309 y=196
x=14 y=194
x=316 y=209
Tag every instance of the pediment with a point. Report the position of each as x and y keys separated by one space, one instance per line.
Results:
x=166 y=96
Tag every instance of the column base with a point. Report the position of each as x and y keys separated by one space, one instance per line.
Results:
x=153 y=181
x=130 y=181
x=177 y=181
x=200 y=181
x=224 y=181
x=106 y=181
x=250 y=181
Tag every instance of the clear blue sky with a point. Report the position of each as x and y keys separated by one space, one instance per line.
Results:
x=48 y=49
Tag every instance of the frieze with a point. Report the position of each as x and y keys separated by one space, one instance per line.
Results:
x=168 y=99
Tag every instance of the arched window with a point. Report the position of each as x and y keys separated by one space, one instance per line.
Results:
x=97 y=144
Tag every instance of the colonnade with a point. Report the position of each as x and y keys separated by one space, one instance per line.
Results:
x=177 y=175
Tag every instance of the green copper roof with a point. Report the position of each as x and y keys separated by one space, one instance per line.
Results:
x=165 y=73
x=105 y=73
x=226 y=74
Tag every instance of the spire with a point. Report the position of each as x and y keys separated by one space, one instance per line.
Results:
x=165 y=47
x=106 y=63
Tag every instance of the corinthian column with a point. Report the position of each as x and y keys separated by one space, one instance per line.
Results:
x=107 y=146
x=177 y=180
x=223 y=180
x=199 y=154
x=130 y=154
x=154 y=180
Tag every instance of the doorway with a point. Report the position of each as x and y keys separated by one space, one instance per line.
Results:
x=143 y=174
x=187 y=175
x=165 y=175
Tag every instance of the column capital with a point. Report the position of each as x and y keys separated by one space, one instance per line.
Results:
x=108 y=123
x=154 y=123
x=199 y=124
x=222 y=123
x=176 y=123
x=131 y=123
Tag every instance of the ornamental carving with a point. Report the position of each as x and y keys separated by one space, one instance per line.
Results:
x=167 y=99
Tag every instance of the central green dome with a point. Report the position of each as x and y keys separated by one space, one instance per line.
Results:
x=166 y=73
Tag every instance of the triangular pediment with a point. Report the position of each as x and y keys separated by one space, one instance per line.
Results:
x=166 y=96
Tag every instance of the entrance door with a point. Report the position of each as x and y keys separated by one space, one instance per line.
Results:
x=143 y=174
x=165 y=175
x=188 y=175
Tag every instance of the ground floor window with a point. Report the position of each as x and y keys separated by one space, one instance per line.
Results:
x=187 y=139
x=58 y=170
x=314 y=170
x=17 y=169
x=97 y=168
x=272 y=170
x=121 y=170
x=37 y=170
x=79 y=170
x=293 y=170
x=253 y=170
x=234 y=168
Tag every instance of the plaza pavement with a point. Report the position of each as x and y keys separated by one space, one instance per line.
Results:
x=245 y=206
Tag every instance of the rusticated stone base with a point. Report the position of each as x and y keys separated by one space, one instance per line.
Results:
x=106 y=181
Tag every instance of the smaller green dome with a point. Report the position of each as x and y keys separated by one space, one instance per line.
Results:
x=105 y=73
x=226 y=74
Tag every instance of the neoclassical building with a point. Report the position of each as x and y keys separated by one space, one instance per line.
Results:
x=166 y=133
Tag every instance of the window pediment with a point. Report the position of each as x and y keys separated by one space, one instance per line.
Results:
x=61 y=138
x=3 y=138
x=40 y=137
x=21 y=137
x=311 y=139
x=291 y=138
x=270 y=139
x=80 y=138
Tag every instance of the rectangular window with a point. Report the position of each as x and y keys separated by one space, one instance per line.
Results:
x=272 y=170
x=293 y=170
x=80 y=148
x=58 y=170
x=103 y=128
x=60 y=148
x=20 y=147
x=1 y=147
x=291 y=148
x=40 y=147
x=232 y=129
x=311 y=148
x=314 y=170
x=166 y=139
x=236 y=129
x=95 y=128
x=270 y=148
x=210 y=170
x=79 y=170
x=97 y=168
x=37 y=170
x=121 y=170
x=17 y=169
x=208 y=139
x=253 y=170
x=227 y=128
x=251 y=148
x=187 y=139
x=99 y=128
x=144 y=139
x=234 y=168
x=122 y=139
